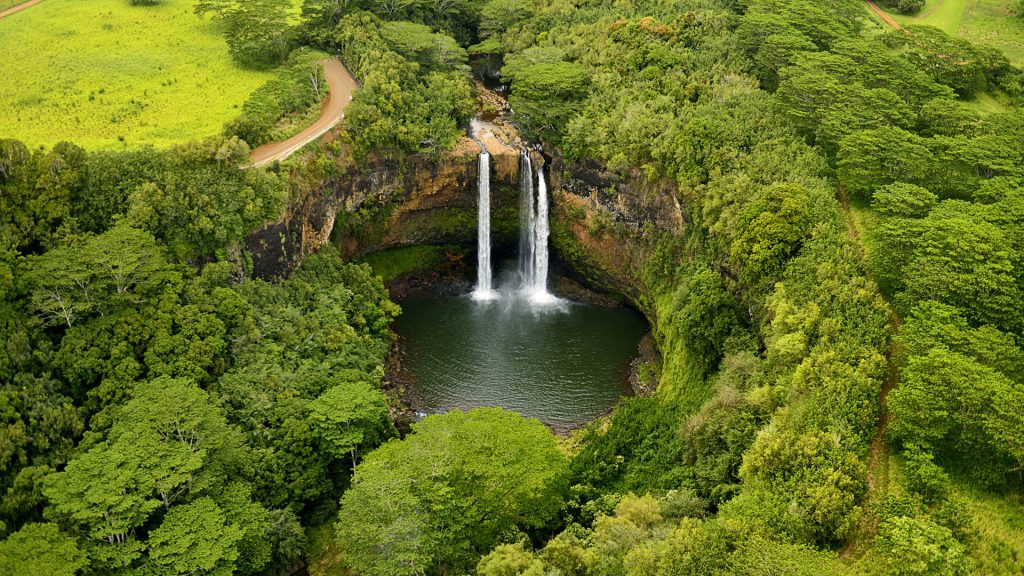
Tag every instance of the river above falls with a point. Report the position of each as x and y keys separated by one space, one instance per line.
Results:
x=563 y=363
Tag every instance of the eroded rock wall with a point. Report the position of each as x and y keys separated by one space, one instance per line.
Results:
x=384 y=203
x=606 y=225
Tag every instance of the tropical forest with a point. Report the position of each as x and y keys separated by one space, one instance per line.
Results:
x=511 y=287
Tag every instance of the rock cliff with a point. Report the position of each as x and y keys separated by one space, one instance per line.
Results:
x=603 y=223
x=385 y=203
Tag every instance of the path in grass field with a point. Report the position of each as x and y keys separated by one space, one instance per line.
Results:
x=342 y=85
x=19 y=7
x=885 y=17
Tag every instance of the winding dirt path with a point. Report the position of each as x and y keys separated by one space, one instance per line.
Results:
x=342 y=84
x=19 y=8
x=885 y=17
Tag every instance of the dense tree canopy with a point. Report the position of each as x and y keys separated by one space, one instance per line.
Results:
x=450 y=491
x=853 y=227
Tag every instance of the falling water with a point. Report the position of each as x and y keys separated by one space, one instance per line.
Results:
x=484 y=291
x=539 y=289
x=533 y=234
x=527 y=237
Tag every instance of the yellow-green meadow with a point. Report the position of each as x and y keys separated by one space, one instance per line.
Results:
x=105 y=74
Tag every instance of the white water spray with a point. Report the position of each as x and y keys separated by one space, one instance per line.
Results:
x=484 y=291
x=527 y=238
x=534 y=232
x=539 y=291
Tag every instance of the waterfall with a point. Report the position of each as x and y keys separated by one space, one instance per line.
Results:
x=526 y=221
x=484 y=291
x=539 y=289
x=533 y=233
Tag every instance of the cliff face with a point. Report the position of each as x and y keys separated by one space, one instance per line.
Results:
x=604 y=224
x=383 y=204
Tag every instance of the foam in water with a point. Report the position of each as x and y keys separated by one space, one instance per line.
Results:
x=484 y=290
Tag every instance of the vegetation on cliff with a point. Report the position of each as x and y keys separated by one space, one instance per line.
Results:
x=852 y=236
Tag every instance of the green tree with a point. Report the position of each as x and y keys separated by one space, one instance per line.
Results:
x=206 y=200
x=194 y=538
x=41 y=550
x=176 y=432
x=772 y=42
x=497 y=16
x=95 y=277
x=107 y=495
x=773 y=227
x=417 y=43
x=872 y=158
x=350 y=415
x=510 y=560
x=445 y=493
x=903 y=200
x=966 y=263
x=545 y=95
x=258 y=33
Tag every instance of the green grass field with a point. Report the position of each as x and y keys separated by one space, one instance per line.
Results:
x=5 y=4
x=991 y=22
x=105 y=74
x=390 y=264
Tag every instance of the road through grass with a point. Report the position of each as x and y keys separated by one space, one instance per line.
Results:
x=994 y=23
x=944 y=14
x=5 y=4
x=105 y=74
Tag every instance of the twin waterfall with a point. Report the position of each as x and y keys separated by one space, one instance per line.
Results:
x=533 y=234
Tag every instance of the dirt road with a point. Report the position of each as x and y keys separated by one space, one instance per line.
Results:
x=885 y=17
x=342 y=85
x=19 y=7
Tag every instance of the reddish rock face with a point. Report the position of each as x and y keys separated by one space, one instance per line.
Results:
x=419 y=200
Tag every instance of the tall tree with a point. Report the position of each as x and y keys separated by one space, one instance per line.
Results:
x=444 y=494
x=350 y=415
x=41 y=550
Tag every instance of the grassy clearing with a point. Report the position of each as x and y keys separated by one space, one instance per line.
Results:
x=998 y=523
x=996 y=23
x=104 y=74
x=944 y=14
x=996 y=546
x=5 y=4
x=990 y=22
x=390 y=264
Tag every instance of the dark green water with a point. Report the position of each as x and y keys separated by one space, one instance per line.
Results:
x=563 y=364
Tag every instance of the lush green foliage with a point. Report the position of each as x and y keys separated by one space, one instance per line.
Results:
x=297 y=90
x=160 y=412
x=194 y=198
x=403 y=105
x=257 y=31
x=455 y=487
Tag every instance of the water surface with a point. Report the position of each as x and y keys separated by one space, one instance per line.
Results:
x=563 y=364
